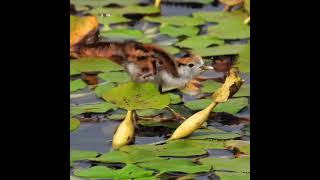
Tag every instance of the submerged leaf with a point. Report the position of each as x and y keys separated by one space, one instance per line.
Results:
x=132 y=96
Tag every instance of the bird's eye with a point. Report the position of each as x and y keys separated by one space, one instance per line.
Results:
x=191 y=65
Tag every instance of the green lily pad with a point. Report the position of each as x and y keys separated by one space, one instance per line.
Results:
x=133 y=96
x=77 y=85
x=92 y=108
x=227 y=49
x=117 y=77
x=129 y=171
x=112 y=19
x=230 y=30
x=134 y=9
x=221 y=16
x=232 y=106
x=233 y=176
x=179 y=31
x=123 y=33
x=175 y=165
x=154 y=123
x=170 y=49
x=101 y=3
x=210 y=86
x=199 y=42
x=175 y=98
x=244 y=91
x=74 y=71
x=242 y=146
x=134 y=156
x=103 y=87
x=241 y=164
x=244 y=59
x=74 y=124
x=78 y=155
x=176 y=20
x=117 y=116
x=91 y=64
x=216 y=136
x=205 y=2
x=149 y=112
x=207 y=143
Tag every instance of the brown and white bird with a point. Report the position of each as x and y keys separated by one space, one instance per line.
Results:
x=148 y=62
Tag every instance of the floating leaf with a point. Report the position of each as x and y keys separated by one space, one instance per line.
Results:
x=244 y=59
x=74 y=71
x=117 y=77
x=175 y=165
x=123 y=33
x=129 y=171
x=205 y=2
x=176 y=20
x=77 y=155
x=119 y=116
x=101 y=3
x=112 y=19
x=230 y=30
x=170 y=49
x=77 y=85
x=199 y=42
x=132 y=96
x=74 y=124
x=232 y=106
x=80 y=27
x=210 y=86
x=217 y=136
x=233 y=176
x=244 y=91
x=149 y=112
x=242 y=146
x=175 y=98
x=179 y=31
x=91 y=64
x=219 y=50
x=92 y=108
x=103 y=87
x=220 y=16
x=134 y=9
x=225 y=164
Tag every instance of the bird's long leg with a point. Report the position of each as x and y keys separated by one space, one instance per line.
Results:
x=175 y=114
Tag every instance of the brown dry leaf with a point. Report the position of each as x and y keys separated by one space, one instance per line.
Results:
x=229 y=88
x=82 y=28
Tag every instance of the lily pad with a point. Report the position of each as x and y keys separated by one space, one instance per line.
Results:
x=77 y=155
x=133 y=96
x=199 y=42
x=103 y=87
x=77 y=85
x=220 y=16
x=244 y=91
x=227 y=49
x=118 y=116
x=170 y=49
x=175 y=165
x=175 y=31
x=232 y=106
x=205 y=2
x=175 y=98
x=74 y=71
x=216 y=136
x=149 y=112
x=91 y=64
x=242 y=146
x=233 y=176
x=112 y=19
x=244 y=59
x=230 y=30
x=210 y=86
x=241 y=164
x=129 y=171
x=134 y=156
x=92 y=108
x=123 y=33
x=117 y=77
x=176 y=20
x=74 y=124
x=101 y=3
x=134 y=9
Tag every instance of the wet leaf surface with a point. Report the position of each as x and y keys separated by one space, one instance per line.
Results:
x=91 y=108
x=77 y=85
x=242 y=146
x=175 y=31
x=200 y=42
x=176 y=20
x=74 y=124
x=233 y=176
x=115 y=77
x=91 y=64
x=241 y=164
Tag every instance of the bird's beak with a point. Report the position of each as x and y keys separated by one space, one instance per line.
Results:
x=204 y=67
